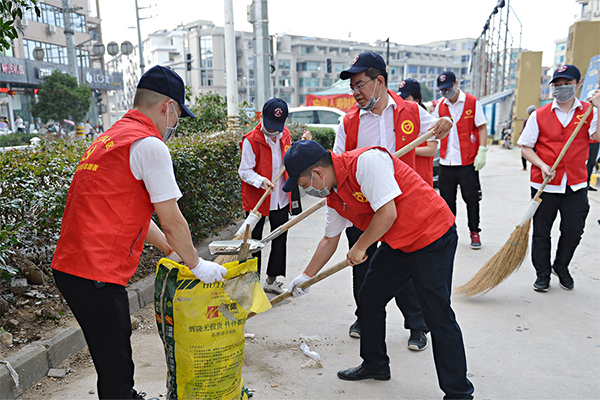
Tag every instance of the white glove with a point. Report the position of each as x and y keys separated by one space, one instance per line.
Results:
x=296 y=291
x=173 y=256
x=479 y=162
x=208 y=271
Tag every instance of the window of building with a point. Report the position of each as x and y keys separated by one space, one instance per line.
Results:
x=284 y=64
x=465 y=58
x=431 y=70
x=393 y=71
x=463 y=71
x=440 y=70
x=559 y=59
x=56 y=54
x=561 y=46
x=412 y=69
x=305 y=49
x=453 y=47
x=285 y=97
x=284 y=81
x=326 y=82
x=422 y=70
x=307 y=66
x=206 y=60
x=302 y=99
x=338 y=67
x=467 y=46
x=309 y=82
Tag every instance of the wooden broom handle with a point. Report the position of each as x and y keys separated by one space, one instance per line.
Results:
x=309 y=282
x=303 y=215
x=564 y=151
x=268 y=191
x=414 y=144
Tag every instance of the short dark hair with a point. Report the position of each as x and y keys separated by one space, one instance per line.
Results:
x=324 y=161
x=374 y=73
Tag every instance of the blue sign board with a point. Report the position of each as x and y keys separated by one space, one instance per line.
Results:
x=590 y=81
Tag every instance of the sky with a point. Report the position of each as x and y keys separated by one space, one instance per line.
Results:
x=404 y=22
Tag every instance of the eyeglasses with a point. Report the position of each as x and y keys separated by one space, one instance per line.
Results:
x=359 y=87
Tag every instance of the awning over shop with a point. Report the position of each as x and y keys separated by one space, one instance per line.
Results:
x=495 y=97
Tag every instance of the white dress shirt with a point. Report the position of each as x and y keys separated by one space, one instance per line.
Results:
x=529 y=138
x=279 y=198
x=375 y=175
x=453 y=156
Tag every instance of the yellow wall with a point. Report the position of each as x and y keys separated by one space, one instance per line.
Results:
x=583 y=43
x=527 y=91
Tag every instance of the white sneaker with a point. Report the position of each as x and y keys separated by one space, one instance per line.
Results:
x=275 y=287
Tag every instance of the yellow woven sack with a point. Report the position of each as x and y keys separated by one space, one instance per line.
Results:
x=202 y=328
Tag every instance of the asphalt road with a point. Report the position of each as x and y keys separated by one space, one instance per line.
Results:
x=520 y=344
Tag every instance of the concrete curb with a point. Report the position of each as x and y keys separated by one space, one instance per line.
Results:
x=33 y=361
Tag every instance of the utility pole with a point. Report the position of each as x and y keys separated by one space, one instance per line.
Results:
x=70 y=39
x=233 y=117
x=504 y=77
x=140 y=44
x=259 y=18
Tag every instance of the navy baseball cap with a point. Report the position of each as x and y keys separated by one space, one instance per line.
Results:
x=446 y=80
x=274 y=113
x=363 y=62
x=566 y=71
x=299 y=157
x=408 y=87
x=166 y=81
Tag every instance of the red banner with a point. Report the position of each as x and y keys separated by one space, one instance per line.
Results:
x=340 y=101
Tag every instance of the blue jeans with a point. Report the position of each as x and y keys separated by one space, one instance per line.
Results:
x=431 y=271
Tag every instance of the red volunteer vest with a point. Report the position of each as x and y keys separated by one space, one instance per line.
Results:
x=423 y=216
x=108 y=211
x=468 y=133
x=407 y=125
x=424 y=167
x=264 y=167
x=551 y=140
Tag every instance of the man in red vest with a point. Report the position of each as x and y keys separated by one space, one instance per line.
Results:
x=122 y=179
x=463 y=151
x=382 y=118
x=548 y=129
x=384 y=198
x=262 y=159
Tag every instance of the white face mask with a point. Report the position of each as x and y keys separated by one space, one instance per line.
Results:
x=564 y=93
x=170 y=131
x=372 y=102
x=269 y=134
x=311 y=191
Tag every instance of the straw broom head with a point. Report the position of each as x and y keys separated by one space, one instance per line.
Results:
x=506 y=261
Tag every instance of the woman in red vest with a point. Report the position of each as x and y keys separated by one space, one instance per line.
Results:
x=384 y=197
x=410 y=90
x=548 y=128
x=262 y=159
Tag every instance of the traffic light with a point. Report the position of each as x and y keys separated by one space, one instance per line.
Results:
x=329 y=65
x=98 y=95
x=188 y=64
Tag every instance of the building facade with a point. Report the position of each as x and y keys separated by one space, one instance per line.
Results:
x=21 y=74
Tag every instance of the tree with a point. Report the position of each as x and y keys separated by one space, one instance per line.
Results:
x=426 y=93
x=60 y=98
x=10 y=10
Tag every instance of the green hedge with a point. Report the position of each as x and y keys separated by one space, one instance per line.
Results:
x=16 y=139
x=34 y=184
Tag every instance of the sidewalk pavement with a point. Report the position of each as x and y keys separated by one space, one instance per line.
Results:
x=520 y=344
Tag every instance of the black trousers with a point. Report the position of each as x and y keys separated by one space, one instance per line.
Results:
x=277 y=258
x=470 y=189
x=573 y=208
x=592 y=159
x=431 y=271
x=406 y=299
x=102 y=311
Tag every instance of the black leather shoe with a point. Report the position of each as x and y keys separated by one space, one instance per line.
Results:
x=359 y=373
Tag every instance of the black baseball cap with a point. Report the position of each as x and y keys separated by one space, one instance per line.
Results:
x=166 y=81
x=408 y=87
x=299 y=157
x=566 y=71
x=363 y=62
x=274 y=113
x=446 y=80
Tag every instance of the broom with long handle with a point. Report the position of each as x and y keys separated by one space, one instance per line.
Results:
x=511 y=255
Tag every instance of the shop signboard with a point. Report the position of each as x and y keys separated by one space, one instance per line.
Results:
x=12 y=70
